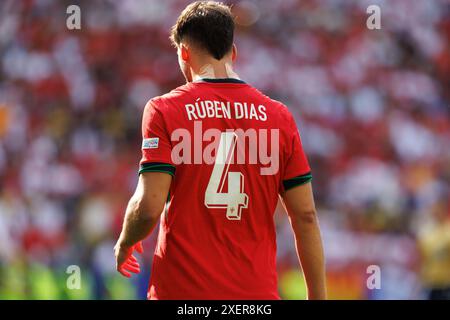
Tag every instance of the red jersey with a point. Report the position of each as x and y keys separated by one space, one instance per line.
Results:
x=231 y=151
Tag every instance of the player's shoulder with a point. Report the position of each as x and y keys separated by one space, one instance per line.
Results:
x=276 y=106
x=164 y=101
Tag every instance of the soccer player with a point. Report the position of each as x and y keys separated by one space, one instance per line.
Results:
x=216 y=156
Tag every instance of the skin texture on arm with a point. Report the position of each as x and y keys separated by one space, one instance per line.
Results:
x=299 y=204
x=142 y=214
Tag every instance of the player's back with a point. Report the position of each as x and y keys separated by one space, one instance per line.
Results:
x=231 y=150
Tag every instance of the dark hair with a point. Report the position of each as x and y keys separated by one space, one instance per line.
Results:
x=208 y=24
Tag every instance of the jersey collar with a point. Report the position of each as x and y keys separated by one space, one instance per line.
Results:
x=220 y=80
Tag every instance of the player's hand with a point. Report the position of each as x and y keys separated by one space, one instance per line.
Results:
x=126 y=262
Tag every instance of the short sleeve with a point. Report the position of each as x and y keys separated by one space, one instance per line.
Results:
x=156 y=147
x=296 y=167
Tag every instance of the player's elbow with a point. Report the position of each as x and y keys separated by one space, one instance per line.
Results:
x=146 y=209
x=305 y=217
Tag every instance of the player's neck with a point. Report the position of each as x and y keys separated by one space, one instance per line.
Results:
x=214 y=70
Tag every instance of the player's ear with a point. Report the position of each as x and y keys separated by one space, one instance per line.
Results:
x=233 y=53
x=184 y=52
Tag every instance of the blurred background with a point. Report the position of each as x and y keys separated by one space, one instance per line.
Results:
x=372 y=107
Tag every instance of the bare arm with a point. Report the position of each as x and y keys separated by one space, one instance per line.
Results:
x=299 y=203
x=142 y=214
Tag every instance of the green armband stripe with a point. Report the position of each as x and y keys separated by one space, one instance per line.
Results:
x=157 y=167
x=296 y=181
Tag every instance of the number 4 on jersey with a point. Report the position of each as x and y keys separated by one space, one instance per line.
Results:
x=234 y=200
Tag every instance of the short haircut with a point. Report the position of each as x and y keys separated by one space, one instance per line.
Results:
x=208 y=24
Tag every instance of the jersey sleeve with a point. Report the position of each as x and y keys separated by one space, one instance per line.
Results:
x=296 y=167
x=156 y=146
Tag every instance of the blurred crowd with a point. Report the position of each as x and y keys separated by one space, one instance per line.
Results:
x=372 y=107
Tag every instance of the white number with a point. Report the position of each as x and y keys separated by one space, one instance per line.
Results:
x=235 y=199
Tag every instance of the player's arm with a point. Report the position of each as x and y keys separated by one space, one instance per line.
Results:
x=299 y=203
x=142 y=214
